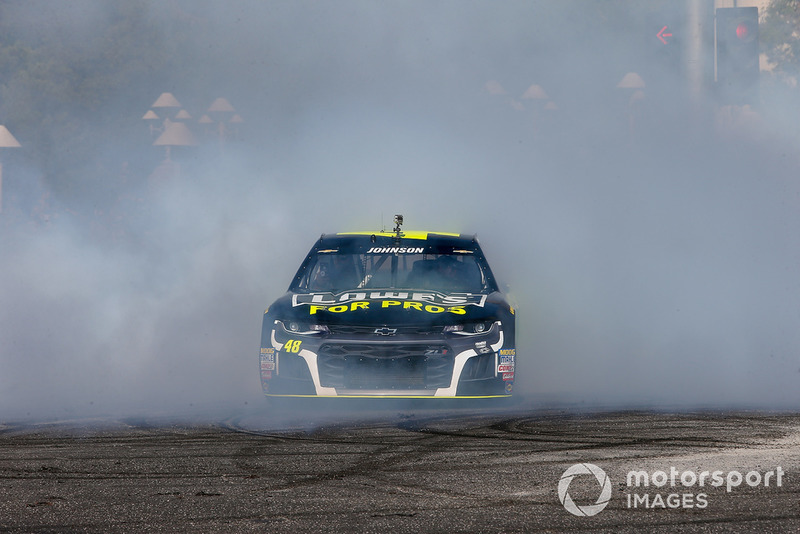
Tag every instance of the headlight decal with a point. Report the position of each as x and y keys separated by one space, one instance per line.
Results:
x=477 y=328
x=303 y=329
x=458 y=366
x=311 y=360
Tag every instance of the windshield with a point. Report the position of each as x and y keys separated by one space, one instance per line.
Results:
x=334 y=271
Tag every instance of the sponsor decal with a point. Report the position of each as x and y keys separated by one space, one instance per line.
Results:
x=267 y=362
x=482 y=348
x=505 y=364
x=396 y=250
x=405 y=305
x=425 y=297
x=508 y=377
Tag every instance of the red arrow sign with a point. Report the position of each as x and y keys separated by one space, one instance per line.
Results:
x=661 y=34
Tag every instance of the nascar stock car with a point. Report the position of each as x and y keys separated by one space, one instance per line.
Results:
x=390 y=314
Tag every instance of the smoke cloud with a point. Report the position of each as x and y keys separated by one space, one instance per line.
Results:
x=650 y=241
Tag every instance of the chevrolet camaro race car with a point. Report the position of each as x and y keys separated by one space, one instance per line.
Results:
x=390 y=314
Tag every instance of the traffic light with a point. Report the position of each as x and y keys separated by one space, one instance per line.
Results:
x=737 y=54
x=664 y=25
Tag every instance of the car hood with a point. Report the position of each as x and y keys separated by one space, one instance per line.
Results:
x=387 y=306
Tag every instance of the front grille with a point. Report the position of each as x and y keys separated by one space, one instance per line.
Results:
x=361 y=330
x=385 y=365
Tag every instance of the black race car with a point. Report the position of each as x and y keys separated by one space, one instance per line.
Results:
x=390 y=314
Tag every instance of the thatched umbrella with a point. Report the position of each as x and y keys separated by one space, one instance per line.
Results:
x=151 y=119
x=175 y=134
x=221 y=105
x=166 y=100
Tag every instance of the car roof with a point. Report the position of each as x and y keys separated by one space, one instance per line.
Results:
x=406 y=235
x=435 y=239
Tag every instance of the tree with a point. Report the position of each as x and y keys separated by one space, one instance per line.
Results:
x=779 y=32
x=74 y=84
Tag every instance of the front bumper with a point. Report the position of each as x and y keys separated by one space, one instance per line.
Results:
x=396 y=366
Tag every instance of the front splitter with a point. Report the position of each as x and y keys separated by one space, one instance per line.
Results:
x=432 y=397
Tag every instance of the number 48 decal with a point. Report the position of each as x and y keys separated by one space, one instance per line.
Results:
x=293 y=345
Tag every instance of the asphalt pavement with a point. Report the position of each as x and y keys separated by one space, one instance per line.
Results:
x=412 y=469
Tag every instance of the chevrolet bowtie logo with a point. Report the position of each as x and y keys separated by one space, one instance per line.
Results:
x=385 y=331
